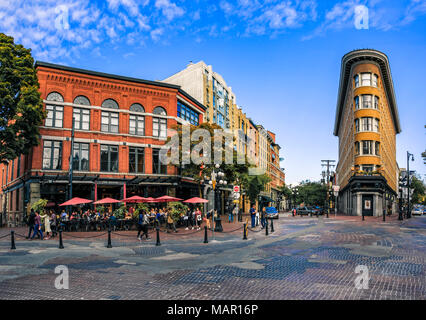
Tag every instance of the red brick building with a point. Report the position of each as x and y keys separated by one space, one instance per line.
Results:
x=119 y=125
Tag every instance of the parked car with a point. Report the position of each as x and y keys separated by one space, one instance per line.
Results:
x=317 y=211
x=303 y=211
x=416 y=212
x=272 y=212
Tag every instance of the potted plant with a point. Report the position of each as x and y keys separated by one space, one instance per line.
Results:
x=120 y=212
x=177 y=210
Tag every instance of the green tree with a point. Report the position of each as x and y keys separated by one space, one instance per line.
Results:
x=312 y=193
x=418 y=190
x=21 y=107
x=233 y=172
x=177 y=209
x=286 y=191
x=256 y=184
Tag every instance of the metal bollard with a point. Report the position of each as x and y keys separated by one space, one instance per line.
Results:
x=272 y=225
x=245 y=232
x=363 y=216
x=109 y=238
x=12 y=239
x=266 y=228
x=158 y=237
x=61 y=245
x=206 y=240
x=384 y=214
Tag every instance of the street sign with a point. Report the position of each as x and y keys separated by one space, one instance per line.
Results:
x=236 y=189
x=336 y=188
x=336 y=193
x=237 y=195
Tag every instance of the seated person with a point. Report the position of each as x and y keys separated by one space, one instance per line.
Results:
x=128 y=216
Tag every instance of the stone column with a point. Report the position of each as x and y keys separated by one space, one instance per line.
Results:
x=358 y=208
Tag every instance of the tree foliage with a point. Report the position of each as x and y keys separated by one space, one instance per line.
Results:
x=21 y=108
x=256 y=184
x=418 y=189
x=312 y=193
x=234 y=173
x=176 y=210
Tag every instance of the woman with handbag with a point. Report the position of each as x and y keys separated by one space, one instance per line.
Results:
x=198 y=218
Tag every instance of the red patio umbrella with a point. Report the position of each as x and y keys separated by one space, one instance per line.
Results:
x=50 y=204
x=75 y=201
x=133 y=199
x=196 y=200
x=167 y=199
x=149 y=199
x=107 y=200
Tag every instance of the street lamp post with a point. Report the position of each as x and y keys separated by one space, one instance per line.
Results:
x=400 y=200
x=214 y=181
x=409 y=155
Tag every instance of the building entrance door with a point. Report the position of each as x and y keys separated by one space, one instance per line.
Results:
x=367 y=205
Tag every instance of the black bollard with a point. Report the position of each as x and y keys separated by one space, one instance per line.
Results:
x=61 y=245
x=109 y=238
x=158 y=237
x=363 y=216
x=12 y=239
x=245 y=232
x=266 y=228
x=384 y=214
x=206 y=240
x=272 y=225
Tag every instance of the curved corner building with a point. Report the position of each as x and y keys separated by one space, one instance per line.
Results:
x=366 y=123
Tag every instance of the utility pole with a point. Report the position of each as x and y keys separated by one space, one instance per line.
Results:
x=329 y=164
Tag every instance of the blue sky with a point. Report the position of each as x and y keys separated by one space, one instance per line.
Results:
x=282 y=58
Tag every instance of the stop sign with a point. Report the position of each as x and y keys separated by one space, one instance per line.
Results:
x=236 y=188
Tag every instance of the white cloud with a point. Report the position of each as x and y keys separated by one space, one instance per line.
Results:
x=169 y=9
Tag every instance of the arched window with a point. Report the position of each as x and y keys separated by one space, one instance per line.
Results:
x=136 y=107
x=159 y=125
x=55 y=113
x=110 y=103
x=137 y=122
x=55 y=96
x=160 y=111
x=82 y=100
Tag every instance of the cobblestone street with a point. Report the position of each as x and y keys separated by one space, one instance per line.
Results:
x=305 y=258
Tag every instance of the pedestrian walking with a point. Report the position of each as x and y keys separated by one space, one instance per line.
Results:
x=263 y=217
x=140 y=224
x=231 y=216
x=198 y=218
x=37 y=226
x=257 y=218
x=253 y=216
x=30 y=223
x=170 y=222
x=189 y=219
x=235 y=213
x=46 y=222
x=53 y=223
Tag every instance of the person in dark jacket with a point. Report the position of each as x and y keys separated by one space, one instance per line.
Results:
x=37 y=226
x=31 y=220
x=263 y=217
